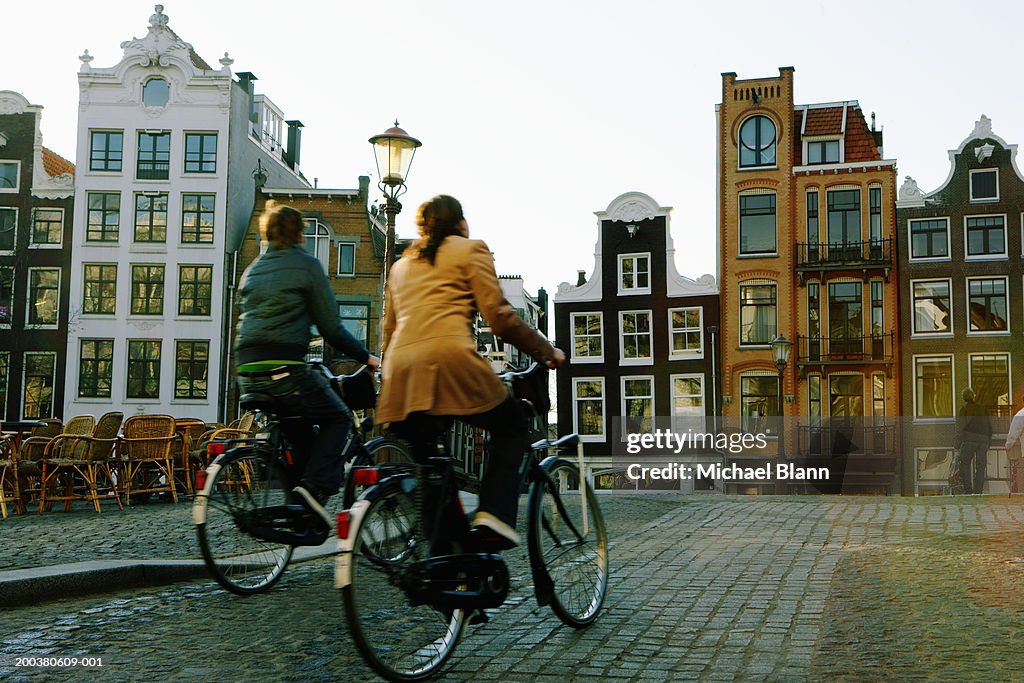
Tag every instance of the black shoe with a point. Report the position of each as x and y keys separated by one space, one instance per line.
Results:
x=314 y=500
x=482 y=539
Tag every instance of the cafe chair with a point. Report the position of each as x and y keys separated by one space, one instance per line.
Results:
x=9 y=490
x=91 y=458
x=148 y=446
x=33 y=449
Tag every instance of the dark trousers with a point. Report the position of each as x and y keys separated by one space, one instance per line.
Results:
x=325 y=437
x=505 y=467
x=974 y=461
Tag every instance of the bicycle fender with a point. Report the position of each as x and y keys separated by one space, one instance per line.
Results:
x=199 y=504
x=343 y=562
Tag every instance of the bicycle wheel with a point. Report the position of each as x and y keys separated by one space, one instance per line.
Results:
x=379 y=451
x=399 y=640
x=237 y=484
x=567 y=542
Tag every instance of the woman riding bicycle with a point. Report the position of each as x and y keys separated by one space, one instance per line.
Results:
x=432 y=367
x=281 y=295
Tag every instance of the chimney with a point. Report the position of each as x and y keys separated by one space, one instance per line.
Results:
x=581 y=277
x=247 y=82
x=291 y=155
x=542 y=317
x=364 y=188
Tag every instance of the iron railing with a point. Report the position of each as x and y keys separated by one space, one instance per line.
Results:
x=818 y=255
x=875 y=348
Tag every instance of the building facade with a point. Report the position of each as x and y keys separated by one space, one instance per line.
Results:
x=806 y=247
x=641 y=341
x=962 y=277
x=36 y=200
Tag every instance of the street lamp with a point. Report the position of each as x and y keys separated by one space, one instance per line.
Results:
x=394 y=150
x=781 y=348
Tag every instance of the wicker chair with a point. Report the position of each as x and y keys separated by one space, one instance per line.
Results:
x=31 y=453
x=148 y=448
x=10 y=492
x=191 y=431
x=89 y=457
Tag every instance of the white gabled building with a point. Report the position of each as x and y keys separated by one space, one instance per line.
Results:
x=167 y=151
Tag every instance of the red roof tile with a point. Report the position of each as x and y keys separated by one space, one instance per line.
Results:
x=859 y=143
x=824 y=121
x=55 y=165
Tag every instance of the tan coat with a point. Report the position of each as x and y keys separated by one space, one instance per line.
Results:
x=430 y=361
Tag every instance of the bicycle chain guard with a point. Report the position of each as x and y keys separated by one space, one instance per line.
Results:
x=466 y=581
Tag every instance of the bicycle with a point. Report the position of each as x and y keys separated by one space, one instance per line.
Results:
x=408 y=593
x=247 y=518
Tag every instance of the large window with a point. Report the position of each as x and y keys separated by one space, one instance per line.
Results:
x=823 y=152
x=8 y=228
x=99 y=288
x=985 y=236
x=156 y=93
x=875 y=221
x=686 y=332
x=813 y=234
x=757 y=224
x=637 y=339
x=154 y=159
x=587 y=337
x=96 y=368
x=757 y=142
x=813 y=320
x=317 y=241
x=192 y=363
x=197 y=218
x=758 y=321
x=151 y=217
x=37 y=394
x=990 y=379
x=638 y=404
x=687 y=395
x=6 y=295
x=986 y=304
x=355 y=318
x=106 y=150
x=933 y=386
x=634 y=274
x=200 y=152
x=47 y=226
x=845 y=317
x=932 y=306
x=43 y=296
x=9 y=175
x=147 y=289
x=195 y=290
x=929 y=239
x=143 y=368
x=346 y=258
x=588 y=411
x=844 y=234
x=104 y=216
x=759 y=401
x=985 y=185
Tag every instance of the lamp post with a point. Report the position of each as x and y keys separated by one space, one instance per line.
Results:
x=394 y=150
x=781 y=348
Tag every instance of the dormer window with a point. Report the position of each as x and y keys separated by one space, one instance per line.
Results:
x=155 y=93
x=757 y=142
x=823 y=152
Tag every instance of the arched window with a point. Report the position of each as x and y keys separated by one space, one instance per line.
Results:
x=155 y=93
x=757 y=142
x=318 y=240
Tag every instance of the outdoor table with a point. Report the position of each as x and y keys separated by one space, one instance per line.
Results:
x=18 y=428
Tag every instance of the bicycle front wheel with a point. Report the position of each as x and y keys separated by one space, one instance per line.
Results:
x=400 y=640
x=568 y=543
x=238 y=483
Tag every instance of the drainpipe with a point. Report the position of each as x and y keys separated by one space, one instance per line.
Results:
x=227 y=337
x=713 y=331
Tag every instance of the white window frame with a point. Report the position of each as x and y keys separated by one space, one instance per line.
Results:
x=916 y=359
x=317 y=237
x=1006 y=239
x=604 y=411
x=642 y=360
x=910 y=241
x=28 y=299
x=14 y=241
x=739 y=225
x=10 y=304
x=572 y=332
x=970 y=186
x=913 y=317
x=967 y=307
x=673 y=395
x=823 y=138
x=759 y=282
x=672 y=331
x=32 y=229
x=649 y=396
x=347 y=243
x=17 y=177
x=24 y=376
x=1009 y=369
x=627 y=291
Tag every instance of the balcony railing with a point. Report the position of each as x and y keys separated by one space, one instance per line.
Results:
x=825 y=255
x=870 y=441
x=878 y=348
x=152 y=170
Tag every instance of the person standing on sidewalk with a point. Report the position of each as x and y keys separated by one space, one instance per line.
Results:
x=1013 y=449
x=972 y=438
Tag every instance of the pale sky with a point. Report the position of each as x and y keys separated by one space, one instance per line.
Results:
x=537 y=114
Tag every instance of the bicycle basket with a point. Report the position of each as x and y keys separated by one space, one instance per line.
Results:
x=533 y=387
x=358 y=391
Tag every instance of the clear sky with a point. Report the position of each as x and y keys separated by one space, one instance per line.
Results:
x=535 y=114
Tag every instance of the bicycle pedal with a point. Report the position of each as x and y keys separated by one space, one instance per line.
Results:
x=479 y=617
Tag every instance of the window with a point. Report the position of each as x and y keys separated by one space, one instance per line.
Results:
x=47 y=226
x=588 y=413
x=878 y=397
x=99 y=288
x=106 y=150
x=8 y=228
x=155 y=93
x=813 y=320
x=356 y=319
x=587 y=337
x=143 y=368
x=844 y=234
x=636 y=336
x=190 y=369
x=147 y=290
x=986 y=304
x=759 y=401
x=37 y=395
x=875 y=221
x=757 y=224
x=634 y=274
x=317 y=241
x=985 y=185
x=985 y=236
x=757 y=142
x=929 y=239
x=154 y=162
x=6 y=296
x=151 y=217
x=43 y=296
x=9 y=175
x=104 y=217
x=845 y=318
x=686 y=332
x=989 y=376
x=757 y=314
x=814 y=399
x=813 y=234
x=197 y=218
x=5 y=371
x=877 y=320
x=96 y=368
x=195 y=290
x=638 y=404
x=932 y=306
x=823 y=152
x=346 y=258
x=687 y=395
x=200 y=152
x=933 y=386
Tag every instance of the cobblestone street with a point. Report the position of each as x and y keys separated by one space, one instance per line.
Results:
x=703 y=588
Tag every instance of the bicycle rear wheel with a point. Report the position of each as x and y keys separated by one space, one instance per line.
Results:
x=238 y=483
x=399 y=640
x=567 y=541
x=379 y=451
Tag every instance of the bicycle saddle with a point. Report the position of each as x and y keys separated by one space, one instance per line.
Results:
x=567 y=441
x=264 y=403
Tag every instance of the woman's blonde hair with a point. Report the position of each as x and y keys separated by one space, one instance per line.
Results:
x=281 y=225
x=437 y=218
